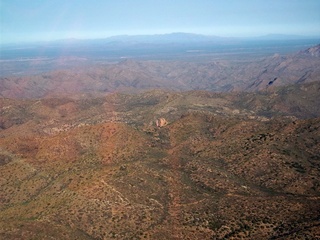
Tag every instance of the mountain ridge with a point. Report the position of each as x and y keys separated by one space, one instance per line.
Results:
x=133 y=76
x=173 y=37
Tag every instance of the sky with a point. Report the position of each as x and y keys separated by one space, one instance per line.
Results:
x=45 y=20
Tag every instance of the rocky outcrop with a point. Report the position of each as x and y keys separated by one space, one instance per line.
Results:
x=161 y=122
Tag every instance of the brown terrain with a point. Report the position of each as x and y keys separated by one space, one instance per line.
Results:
x=162 y=164
x=132 y=76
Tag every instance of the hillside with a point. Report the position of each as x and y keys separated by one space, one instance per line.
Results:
x=133 y=76
x=226 y=166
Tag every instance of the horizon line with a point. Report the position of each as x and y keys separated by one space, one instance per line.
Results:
x=277 y=36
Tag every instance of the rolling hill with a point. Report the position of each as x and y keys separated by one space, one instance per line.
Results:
x=226 y=166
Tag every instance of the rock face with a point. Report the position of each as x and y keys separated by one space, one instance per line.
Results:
x=161 y=122
x=313 y=51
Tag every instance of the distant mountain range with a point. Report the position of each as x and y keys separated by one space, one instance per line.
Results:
x=132 y=76
x=190 y=37
x=167 y=38
x=178 y=37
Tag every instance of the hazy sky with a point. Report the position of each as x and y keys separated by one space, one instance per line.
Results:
x=28 y=20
